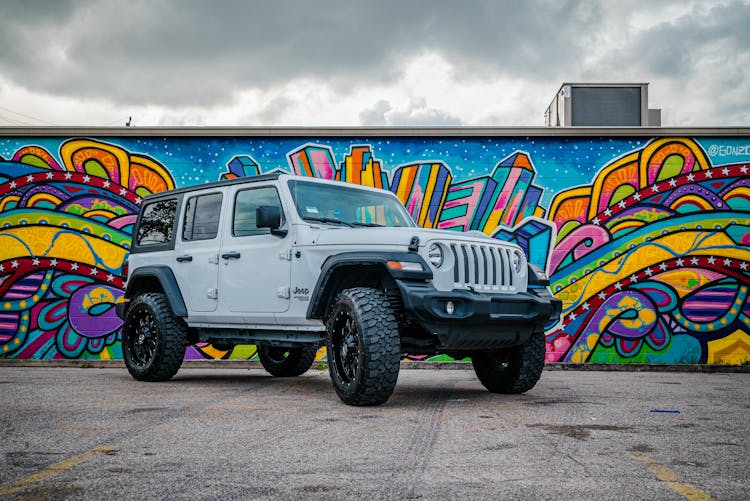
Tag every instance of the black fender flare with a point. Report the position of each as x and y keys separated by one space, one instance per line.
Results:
x=167 y=281
x=319 y=298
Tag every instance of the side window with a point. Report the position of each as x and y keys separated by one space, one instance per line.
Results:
x=244 y=210
x=157 y=223
x=202 y=217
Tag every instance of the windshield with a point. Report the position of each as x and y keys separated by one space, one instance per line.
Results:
x=341 y=205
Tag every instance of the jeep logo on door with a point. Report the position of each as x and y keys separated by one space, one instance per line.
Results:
x=301 y=293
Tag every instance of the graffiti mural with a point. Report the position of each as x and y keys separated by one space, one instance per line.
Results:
x=646 y=240
x=64 y=236
x=652 y=260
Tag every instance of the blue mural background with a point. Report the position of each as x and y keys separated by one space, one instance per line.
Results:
x=547 y=193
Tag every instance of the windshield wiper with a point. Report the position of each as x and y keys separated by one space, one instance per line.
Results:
x=332 y=220
x=369 y=225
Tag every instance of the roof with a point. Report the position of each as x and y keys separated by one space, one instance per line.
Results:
x=215 y=184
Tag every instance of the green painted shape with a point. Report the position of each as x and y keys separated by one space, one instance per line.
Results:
x=243 y=351
x=35 y=161
x=622 y=193
x=95 y=169
x=567 y=228
x=446 y=358
x=671 y=167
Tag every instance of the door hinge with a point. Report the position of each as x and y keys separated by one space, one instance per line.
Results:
x=212 y=293
x=286 y=254
x=283 y=292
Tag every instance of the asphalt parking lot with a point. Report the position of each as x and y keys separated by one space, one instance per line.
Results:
x=72 y=433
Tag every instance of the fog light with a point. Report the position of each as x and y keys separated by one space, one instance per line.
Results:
x=449 y=308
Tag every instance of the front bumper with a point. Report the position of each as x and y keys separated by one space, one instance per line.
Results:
x=479 y=321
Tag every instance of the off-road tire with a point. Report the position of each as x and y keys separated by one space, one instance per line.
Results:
x=513 y=370
x=287 y=362
x=363 y=347
x=153 y=338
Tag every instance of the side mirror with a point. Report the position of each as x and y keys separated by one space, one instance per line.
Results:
x=269 y=216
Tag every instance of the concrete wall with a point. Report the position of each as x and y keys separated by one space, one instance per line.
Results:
x=646 y=238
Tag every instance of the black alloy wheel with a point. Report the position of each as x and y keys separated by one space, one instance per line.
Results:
x=142 y=339
x=153 y=338
x=345 y=348
x=512 y=370
x=287 y=362
x=363 y=346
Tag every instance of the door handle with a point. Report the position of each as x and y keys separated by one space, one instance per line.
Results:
x=185 y=258
x=231 y=255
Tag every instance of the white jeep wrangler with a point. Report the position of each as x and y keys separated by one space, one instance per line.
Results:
x=288 y=263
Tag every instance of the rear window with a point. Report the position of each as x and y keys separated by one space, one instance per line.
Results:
x=157 y=223
x=202 y=217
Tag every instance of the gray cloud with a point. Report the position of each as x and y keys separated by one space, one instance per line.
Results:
x=417 y=113
x=677 y=48
x=375 y=116
x=274 y=109
x=704 y=55
x=187 y=52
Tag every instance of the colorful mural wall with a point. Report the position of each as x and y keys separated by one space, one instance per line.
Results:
x=646 y=240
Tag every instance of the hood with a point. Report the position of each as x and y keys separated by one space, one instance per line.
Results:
x=393 y=236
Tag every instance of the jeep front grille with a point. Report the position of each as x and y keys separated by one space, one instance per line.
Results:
x=482 y=266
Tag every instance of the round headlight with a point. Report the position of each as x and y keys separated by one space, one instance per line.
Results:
x=435 y=255
x=517 y=261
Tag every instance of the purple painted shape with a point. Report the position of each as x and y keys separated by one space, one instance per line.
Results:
x=695 y=190
x=605 y=325
x=9 y=323
x=191 y=353
x=617 y=327
x=742 y=183
x=50 y=190
x=96 y=324
x=396 y=181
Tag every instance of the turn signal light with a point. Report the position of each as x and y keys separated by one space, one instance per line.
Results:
x=405 y=265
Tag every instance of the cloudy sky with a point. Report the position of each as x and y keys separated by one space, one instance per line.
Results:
x=363 y=62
